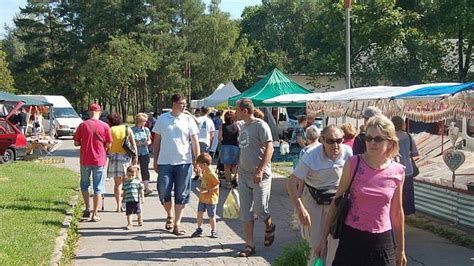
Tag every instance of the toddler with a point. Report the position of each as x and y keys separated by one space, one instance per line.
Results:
x=209 y=194
x=133 y=196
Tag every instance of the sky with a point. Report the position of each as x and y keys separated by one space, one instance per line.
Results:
x=8 y=9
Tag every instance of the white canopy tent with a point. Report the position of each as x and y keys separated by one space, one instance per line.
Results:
x=220 y=95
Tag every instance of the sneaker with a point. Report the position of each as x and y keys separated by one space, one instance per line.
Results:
x=148 y=191
x=86 y=214
x=196 y=178
x=95 y=218
x=197 y=233
x=213 y=234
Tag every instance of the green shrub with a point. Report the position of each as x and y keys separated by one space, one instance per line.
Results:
x=294 y=254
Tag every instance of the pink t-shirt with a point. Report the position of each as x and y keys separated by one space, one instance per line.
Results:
x=92 y=151
x=371 y=193
x=349 y=142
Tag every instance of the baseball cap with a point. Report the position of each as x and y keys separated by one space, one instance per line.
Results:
x=94 y=107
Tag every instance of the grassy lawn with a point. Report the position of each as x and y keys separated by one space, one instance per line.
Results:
x=283 y=168
x=33 y=203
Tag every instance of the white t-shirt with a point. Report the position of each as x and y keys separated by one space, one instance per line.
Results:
x=175 y=132
x=206 y=126
x=318 y=171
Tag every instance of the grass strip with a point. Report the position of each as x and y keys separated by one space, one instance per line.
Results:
x=33 y=204
x=443 y=231
x=68 y=252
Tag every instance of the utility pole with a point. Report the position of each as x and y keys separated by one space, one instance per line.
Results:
x=347 y=7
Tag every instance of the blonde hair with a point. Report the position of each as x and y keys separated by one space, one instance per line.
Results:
x=141 y=117
x=388 y=130
x=349 y=130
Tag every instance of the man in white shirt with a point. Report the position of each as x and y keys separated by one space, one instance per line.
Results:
x=206 y=134
x=173 y=157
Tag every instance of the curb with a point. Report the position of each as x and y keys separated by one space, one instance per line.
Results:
x=61 y=239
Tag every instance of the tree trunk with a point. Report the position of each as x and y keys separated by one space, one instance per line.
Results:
x=460 y=55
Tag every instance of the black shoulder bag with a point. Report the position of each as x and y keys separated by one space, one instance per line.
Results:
x=127 y=146
x=343 y=204
x=416 y=171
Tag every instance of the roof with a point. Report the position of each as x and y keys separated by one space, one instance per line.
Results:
x=10 y=97
x=274 y=84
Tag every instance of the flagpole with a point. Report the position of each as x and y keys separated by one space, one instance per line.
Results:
x=347 y=7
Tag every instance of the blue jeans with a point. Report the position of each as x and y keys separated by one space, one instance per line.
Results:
x=97 y=179
x=178 y=176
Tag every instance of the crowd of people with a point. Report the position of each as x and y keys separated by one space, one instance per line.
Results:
x=374 y=166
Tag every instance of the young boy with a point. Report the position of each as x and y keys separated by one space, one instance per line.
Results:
x=209 y=194
x=133 y=196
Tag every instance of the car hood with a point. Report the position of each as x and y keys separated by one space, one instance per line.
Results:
x=70 y=121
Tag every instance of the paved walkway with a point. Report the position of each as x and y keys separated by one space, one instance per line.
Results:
x=106 y=242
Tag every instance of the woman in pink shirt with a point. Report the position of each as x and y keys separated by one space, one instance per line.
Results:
x=349 y=134
x=376 y=213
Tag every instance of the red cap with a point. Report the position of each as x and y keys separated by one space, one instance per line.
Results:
x=94 y=107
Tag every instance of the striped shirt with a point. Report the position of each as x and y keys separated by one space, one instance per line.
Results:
x=131 y=188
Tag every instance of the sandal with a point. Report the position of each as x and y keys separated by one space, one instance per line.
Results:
x=247 y=251
x=178 y=231
x=269 y=236
x=169 y=223
x=140 y=223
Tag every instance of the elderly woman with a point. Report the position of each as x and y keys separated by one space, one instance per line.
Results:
x=320 y=169
x=119 y=160
x=142 y=137
x=376 y=213
x=407 y=150
x=349 y=134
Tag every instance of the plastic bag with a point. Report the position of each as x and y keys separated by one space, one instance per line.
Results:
x=231 y=208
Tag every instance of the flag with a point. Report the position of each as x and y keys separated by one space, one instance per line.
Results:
x=347 y=4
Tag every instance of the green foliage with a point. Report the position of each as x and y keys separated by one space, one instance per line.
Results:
x=6 y=79
x=34 y=201
x=292 y=254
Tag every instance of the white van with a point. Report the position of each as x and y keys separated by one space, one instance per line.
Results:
x=65 y=118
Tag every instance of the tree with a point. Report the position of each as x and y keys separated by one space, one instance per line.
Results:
x=121 y=72
x=6 y=79
x=218 y=55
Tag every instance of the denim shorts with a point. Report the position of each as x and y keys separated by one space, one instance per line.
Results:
x=97 y=179
x=211 y=208
x=177 y=176
x=229 y=154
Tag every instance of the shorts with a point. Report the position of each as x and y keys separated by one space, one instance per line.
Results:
x=118 y=164
x=256 y=195
x=211 y=209
x=229 y=154
x=133 y=207
x=177 y=176
x=97 y=179
x=203 y=147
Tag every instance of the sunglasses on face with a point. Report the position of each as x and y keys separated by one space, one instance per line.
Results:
x=332 y=141
x=377 y=139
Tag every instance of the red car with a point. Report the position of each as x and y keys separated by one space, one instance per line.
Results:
x=12 y=142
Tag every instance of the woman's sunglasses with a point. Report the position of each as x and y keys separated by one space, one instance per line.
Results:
x=377 y=139
x=332 y=141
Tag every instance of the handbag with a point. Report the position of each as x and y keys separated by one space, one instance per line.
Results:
x=416 y=171
x=343 y=204
x=321 y=196
x=127 y=146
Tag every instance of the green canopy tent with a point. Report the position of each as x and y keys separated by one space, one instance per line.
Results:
x=274 y=84
x=9 y=97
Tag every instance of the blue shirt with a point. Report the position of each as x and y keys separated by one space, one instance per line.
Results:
x=141 y=135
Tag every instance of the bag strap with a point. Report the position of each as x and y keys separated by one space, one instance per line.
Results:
x=411 y=142
x=354 y=174
x=94 y=131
